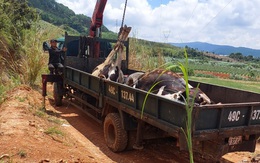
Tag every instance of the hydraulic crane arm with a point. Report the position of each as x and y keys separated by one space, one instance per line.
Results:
x=97 y=19
x=96 y=23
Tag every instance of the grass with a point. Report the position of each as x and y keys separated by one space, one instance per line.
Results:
x=2 y=93
x=22 y=153
x=55 y=120
x=53 y=131
x=33 y=59
x=52 y=31
x=6 y=85
x=40 y=113
x=20 y=99
x=237 y=84
x=146 y=55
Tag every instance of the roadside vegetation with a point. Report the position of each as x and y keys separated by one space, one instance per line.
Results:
x=16 y=22
x=22 y=33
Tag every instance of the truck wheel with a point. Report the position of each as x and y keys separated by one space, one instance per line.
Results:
x=115 y=135
x=56 y=95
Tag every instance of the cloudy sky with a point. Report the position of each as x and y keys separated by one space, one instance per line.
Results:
x=223 y=22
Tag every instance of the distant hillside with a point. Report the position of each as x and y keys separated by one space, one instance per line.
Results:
x=219 y=49
x=60 y=15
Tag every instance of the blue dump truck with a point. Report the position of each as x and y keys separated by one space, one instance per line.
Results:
x=217 y=129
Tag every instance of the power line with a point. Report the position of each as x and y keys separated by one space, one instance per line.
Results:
x=192 y=13
x=215 y=15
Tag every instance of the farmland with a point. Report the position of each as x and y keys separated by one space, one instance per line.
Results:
x=201 y=64
x=237 y=75
x=238 y=69
x=214 y=69
x=243 y=85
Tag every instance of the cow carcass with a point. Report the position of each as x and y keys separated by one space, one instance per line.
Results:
x=132 y=79
x=170 y=85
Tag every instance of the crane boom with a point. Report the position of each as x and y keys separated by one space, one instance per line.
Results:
x=96 y=23
x=97 y=18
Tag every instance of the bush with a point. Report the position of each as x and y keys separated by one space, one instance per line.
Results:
x=191 y=72
x=205 y=75
x=236 y=77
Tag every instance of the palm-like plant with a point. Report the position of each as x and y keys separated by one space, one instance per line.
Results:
x=189 y=103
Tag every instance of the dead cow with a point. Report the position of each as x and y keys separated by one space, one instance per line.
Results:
x=170 y=85
x=132 y=79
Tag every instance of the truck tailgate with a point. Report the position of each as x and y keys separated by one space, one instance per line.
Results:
x=227 y=120
x=238 y=113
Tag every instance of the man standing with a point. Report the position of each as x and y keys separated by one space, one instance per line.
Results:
x=55 y=55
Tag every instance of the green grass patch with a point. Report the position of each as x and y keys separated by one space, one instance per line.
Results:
x=20 y=99
x=242 y=85
x=22 y=153
x=55 y=120
x=53 y=131
x=2 y=94
x=40 y=113
x=205 y=75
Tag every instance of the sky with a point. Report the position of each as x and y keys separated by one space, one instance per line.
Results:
x=222 y=22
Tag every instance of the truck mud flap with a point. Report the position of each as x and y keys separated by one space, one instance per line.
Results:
x=216 y=150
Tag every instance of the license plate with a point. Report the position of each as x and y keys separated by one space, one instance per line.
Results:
x=234 y=140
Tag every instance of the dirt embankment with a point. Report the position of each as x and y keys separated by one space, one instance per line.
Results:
x=28 y=134
x=65 y=134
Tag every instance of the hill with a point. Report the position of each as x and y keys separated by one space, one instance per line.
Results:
x=77 y=24
x=63 y=17
x=60 y=15
x=219 y=49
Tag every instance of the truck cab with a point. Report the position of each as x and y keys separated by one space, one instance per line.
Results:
x=60 y=44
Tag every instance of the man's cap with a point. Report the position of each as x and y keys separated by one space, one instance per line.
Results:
x=53 y=40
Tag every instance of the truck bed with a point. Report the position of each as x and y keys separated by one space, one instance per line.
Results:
x=238 y=112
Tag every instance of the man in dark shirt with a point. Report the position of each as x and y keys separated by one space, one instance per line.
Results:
x=55 y=55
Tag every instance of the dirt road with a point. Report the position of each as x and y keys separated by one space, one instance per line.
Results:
x=24 y=136
x=90 y=133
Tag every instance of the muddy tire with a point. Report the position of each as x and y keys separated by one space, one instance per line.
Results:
x=57 y=97
x=115 y=135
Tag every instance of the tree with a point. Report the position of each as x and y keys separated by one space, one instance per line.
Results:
x=20 y=14
x=16 y=17
x=249 y=58
x=237 y=56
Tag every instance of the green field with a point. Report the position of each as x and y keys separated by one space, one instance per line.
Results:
x=243 y=85
x=226 y=67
